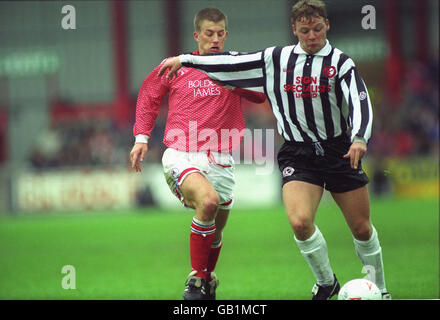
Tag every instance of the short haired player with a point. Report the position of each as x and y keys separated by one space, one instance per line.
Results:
x=324 y=114
x=204 y=125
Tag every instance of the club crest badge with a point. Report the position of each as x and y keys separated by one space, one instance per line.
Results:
x=288 y=171
x=329 y=72
x=175 y=173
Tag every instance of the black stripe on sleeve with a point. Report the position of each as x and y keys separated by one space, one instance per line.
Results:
x=246 y=83
x=365 y=115
x=342 y=58
x=350 y=102
x=277 y=90
x=339 y=102
x=244 y=66
x=263 y=68
x=347 y=75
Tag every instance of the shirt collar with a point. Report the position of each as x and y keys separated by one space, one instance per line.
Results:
x=325 y=51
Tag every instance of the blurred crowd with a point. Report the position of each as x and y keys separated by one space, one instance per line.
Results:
x=412 y=127
x=80 y=144
x=409 y=129
x=100 y=143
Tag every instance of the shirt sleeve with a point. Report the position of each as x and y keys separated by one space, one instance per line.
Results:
x=150 y=96
x=243 y=70
x=358 y=100
x=256 y=97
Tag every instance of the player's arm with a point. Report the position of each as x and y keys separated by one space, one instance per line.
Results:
x=149 y=99
x=360 y=111
x=243 y=70
x=137 y=155
x=256 y=97
x=171 y=64
x=356 y=152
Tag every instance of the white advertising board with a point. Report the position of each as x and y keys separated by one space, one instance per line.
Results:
x=103 y=189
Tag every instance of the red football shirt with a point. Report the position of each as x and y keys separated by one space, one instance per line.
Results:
x=201 y=116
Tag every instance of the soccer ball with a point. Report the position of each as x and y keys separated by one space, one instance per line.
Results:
x=359 y=289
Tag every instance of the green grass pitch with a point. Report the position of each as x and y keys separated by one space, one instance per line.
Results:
x=144 y=254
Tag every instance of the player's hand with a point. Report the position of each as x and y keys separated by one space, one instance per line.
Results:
x=137 y=155
x=355 y=153
x=171 y=63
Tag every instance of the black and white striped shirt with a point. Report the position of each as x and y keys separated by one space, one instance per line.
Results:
x=313 y=97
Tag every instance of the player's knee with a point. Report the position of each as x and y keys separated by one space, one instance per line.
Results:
x=362 y=231
x=210 y=205
x=301 y=227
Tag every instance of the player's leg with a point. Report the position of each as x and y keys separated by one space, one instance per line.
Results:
x=302 y=192
x=199 y=194
x=355 y=206
x=220 y=222
x=212 y=281
x=221 y=175
x=301 y=200
x=183 y=173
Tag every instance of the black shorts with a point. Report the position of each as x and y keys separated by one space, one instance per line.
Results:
x=321 y=164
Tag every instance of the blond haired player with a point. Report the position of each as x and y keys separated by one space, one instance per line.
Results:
x=204 y=125
x=324 y=114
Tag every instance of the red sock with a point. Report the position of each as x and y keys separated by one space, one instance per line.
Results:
x=212 y=259
x=202 y=235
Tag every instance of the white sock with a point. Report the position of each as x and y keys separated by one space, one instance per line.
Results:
x=314 y=251
x=370 y=254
